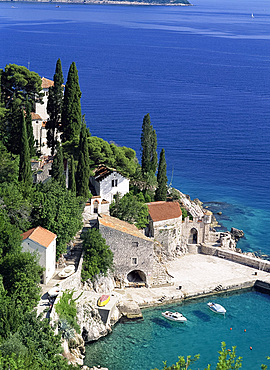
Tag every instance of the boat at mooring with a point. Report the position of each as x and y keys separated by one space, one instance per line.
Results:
x=217 y=308
x=103 y=300
x=174 y=316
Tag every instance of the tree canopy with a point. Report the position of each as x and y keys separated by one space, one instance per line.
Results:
x=71 y=113
x=98 y=258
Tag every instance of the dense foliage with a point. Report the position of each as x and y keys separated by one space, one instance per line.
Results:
x=54 y=107
x=67 y=310
x=161 y=190
x=130 y=208
x=148 y=146
x=59 y=210
x=71 y=113
x=98 y=258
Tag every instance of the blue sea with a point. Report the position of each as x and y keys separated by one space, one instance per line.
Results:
x=202 y=72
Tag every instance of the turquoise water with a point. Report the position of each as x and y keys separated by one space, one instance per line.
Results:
x=143 y=345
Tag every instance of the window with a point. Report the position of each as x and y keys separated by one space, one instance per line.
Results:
x=134 y=261
x=114 y=183
x=50 y=172
x=135 y=244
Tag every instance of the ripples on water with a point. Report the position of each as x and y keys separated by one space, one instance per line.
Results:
x=144 y=345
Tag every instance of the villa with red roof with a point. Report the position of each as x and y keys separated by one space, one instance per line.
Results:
x=43 y=242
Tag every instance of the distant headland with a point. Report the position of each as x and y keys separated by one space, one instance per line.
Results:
x=118 y=2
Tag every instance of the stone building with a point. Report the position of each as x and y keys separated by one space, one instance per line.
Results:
x=165 y=224
x=106 y=182
x=43 y=242
x=174 y=234
x=133 y=251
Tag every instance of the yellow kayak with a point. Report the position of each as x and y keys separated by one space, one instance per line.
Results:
x=103 y=300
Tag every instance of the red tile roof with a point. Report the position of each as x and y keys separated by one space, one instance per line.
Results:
x=35 y=116
x=46 y=83
x=123 y=226
x=160 y=211
x=40 y=235
x=101 y=172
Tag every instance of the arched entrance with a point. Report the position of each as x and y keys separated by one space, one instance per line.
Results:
x=96 y=206
x=136 y=276
x=193 y=236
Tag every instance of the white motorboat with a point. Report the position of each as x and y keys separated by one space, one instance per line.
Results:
x=67 y=271
x=174 y=316
x=53 y=292
x=217 y=308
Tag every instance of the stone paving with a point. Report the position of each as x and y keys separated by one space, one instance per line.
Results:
x=197 y=275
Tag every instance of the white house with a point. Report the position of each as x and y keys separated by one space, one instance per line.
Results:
x=106 y=182
x=44 y=242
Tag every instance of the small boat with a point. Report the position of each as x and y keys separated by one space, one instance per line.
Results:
x=103 y=300
x=217 y=308
x=54 y=291
x=67 y=271
x=252 y=15
x=174 y=316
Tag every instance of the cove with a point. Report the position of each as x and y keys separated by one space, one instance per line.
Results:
x=143 y=345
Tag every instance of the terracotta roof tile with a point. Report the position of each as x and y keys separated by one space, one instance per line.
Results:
x=40 y=235
x=123 y=226
x=160 y=211
x=35 y=116
x=46 y=83
x=101 y=172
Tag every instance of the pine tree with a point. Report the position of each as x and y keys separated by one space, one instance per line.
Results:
x=72 y=181
x=71 y=112
x=161 y=191
x=148 y=146
x=29 y=129
x=83 y=170
x=58 y=166
x=25 y=174
x=54 y=106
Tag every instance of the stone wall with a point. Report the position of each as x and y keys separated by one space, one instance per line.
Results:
x=168 y=233
x=130 y=252
x=241 y=258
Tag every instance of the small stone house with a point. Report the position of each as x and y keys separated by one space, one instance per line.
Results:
x=106 y=182
x=165 y=224
x=133 y=251
x=44 y=242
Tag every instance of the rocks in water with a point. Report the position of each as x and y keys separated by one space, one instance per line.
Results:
x=91 y=324
x=227 y=241
x=129 y=309
x=237 y=234
x=219 y=213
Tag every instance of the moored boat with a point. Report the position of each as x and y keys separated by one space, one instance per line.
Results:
x=103 y=300
x=53 y=292
x=174 y=316
x=217 y=308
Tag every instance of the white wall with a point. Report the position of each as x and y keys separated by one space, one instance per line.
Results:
x=46 y=256
x=41 y=109
x=107 y=191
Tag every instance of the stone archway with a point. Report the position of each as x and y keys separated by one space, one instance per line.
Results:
x=136 y=276
x=193 y=236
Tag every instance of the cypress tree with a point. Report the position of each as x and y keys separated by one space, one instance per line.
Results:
x=72 y=181
x=83 y=170
x=71 y=113
x=148 y=146
x=54 y=106
x=161 y=191
x=25 y=174
x=58 y=166
x=29 y=129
